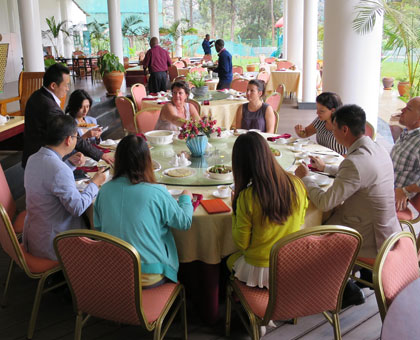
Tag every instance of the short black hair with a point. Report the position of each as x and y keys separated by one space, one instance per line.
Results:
x=330 y=100
x=58 y=128
x=54 y=74
x=76 y=100
x=220 y=43
x=352 y=116
x=207 y=35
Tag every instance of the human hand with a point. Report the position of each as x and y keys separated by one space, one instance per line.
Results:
x=300 y=130
x=302 y=170
x=400 y=199
x=108 y=158
x=188 y=193
x=94 y=132
x=77 y=159
x=100 y=177
x=317 y=163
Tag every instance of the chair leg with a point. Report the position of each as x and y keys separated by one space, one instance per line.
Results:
x=184 y=313
x=6 y=286
x=228 y=309
x=336 y=326
x=79 y=325
x=35 y=308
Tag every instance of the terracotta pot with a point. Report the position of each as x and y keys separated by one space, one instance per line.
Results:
x=251 y=67
x=112 y=82
x=403 y=88
x=388 y=82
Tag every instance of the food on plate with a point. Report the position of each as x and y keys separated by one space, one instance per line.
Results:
x=86 y=125
x=220 y=169
x=275 y=152
x=180 y=172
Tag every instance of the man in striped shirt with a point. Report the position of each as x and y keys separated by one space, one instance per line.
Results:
x=406 y=155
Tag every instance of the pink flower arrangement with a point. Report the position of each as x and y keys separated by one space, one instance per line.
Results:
x=205 y=126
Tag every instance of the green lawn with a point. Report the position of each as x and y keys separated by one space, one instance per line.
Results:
x=394 y=69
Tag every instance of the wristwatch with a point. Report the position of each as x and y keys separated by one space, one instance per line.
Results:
x=406 y=192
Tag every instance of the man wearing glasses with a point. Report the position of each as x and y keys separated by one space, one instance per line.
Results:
x=53 y=203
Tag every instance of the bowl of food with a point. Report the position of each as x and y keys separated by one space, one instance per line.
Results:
x=220 y=172
x=275 y=152
x=160 y=137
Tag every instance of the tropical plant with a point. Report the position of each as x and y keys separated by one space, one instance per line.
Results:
x=54 y=29
x=196 y=79
x=109 y=62
x=131 y=29
x=401 y=29
x=177 y=30
x=98 y=35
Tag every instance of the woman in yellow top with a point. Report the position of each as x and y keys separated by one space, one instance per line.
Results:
x=268 y=204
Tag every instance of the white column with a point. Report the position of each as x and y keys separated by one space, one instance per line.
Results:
x=352 y=61
x=177 y=17
x=11 y=15
x=30 y=29
x=295 y=32
x=310 y=30
x=153 y=18
x=115 y=33
x=65 y=15
x=285 y=24
x=60 y=38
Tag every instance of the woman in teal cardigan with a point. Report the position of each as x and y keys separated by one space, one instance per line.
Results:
x=136 y=209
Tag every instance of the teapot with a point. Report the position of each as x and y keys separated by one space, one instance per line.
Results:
x=4 y=119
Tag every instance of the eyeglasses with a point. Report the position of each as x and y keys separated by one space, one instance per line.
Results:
x=73 y=136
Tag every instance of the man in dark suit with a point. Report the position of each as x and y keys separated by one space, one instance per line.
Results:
x=45 y=103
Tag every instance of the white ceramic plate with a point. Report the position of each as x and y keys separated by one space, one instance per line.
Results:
x=180 y=166
x=175 y=192
x=108 y=142
x=156 y=166
x=216 y=194
x=220 y=177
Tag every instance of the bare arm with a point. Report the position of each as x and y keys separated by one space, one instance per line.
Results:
x=169 y=114
x=305 y=132
x=238 y=120
x=270 y=120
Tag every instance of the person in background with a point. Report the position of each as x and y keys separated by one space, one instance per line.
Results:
x=256 y=114
x=53 y=203
x=362 y=194
x=146 y=224
x=175 y=113
x=326 y=104
x=268 y=203
x=207 y=45
x=157 y=62
x=224 y=66
x=78 y=107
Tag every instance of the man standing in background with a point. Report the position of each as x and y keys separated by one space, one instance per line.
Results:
x=207 y=45
x=157 y=62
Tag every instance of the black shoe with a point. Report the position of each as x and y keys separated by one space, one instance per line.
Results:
x=352 y=295
x=365 y=274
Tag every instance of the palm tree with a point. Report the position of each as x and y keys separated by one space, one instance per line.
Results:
x=54 y=30
x=401 y=29
x=131 y=29
x=177 y=30
x=98 y=34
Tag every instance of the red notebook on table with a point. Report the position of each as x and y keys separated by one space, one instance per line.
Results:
x=215 y=206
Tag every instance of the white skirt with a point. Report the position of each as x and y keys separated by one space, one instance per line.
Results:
x=253 y=276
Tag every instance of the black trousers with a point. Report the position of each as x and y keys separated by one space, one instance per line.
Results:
x=157 y=82
x=223 y=84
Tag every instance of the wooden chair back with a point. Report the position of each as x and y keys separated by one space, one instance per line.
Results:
x=29 y=82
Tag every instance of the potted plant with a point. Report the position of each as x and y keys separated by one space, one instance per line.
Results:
x=112 y=72
x=404 y=88
x=197 y=133
x=197 y=79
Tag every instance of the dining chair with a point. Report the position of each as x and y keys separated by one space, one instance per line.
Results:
x=196 y=104
x=264 y=76
x=284 y=65
x=396 y=266
x=34 y=267
x=180 y=78
x=138 y=92
x=407 y=214
x=261 y=58
x=299 y=285
x=6 y=199
x=198 y=69
x=126 y=110
x=275 y=100
x=238 y=69
x=395 y=131
x=179 y=64
x=28 y=83
x=370 y=130
x=186 y=61
x=172 y=72
x=239 y=85
x=281 y=88
x=270 y=60
x=145 y=120
x=207 y=57
x=104 y=276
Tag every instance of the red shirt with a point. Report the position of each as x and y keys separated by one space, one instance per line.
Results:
x=157 y=59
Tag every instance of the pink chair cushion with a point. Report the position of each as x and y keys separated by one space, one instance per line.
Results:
x=400 y=268
x=19 y=222
x=274 y=101
x=36 y=264
x=405 y=214
x=155 y=299
x=6 y=198
x=257 y=298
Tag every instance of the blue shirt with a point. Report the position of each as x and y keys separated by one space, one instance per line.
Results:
x=81 y=131
x=206 y=46
x=53 y=203
x=224 y=67
x=143 y=215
